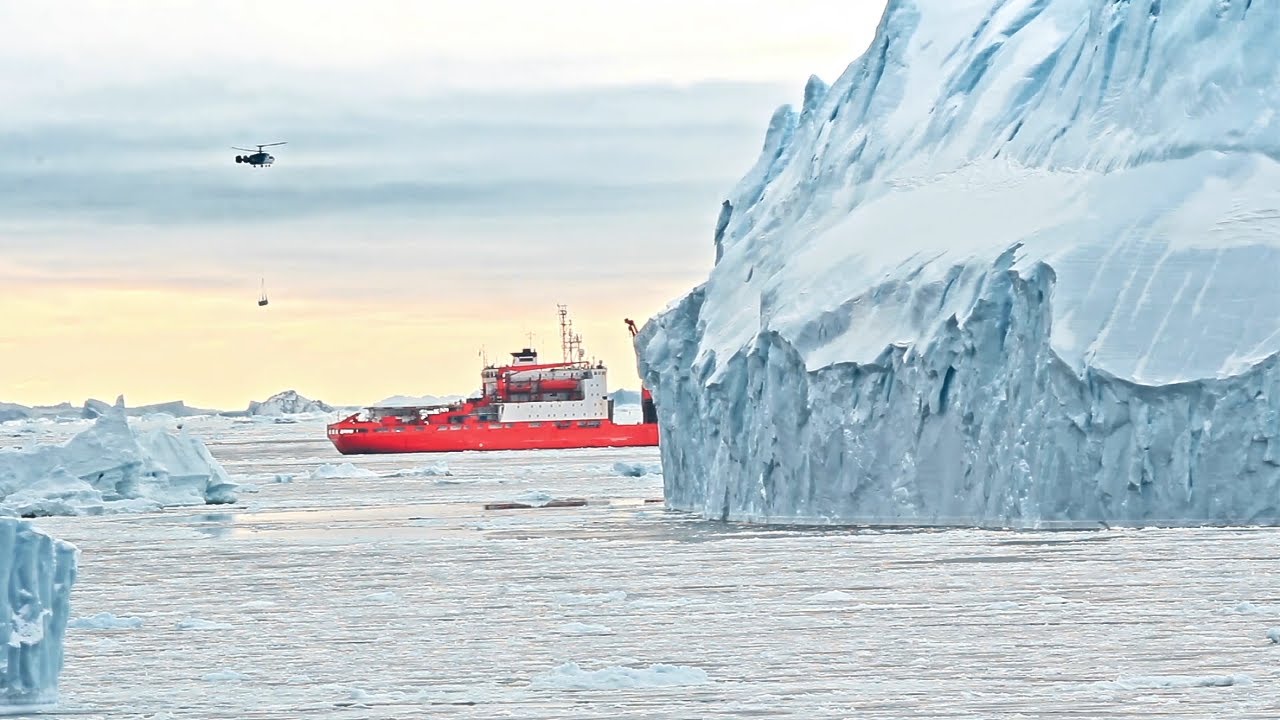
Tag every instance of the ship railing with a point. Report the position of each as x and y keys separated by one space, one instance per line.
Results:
x=404 y=412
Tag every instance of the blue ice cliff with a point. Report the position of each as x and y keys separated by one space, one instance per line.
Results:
x=37 y=572
x=1019 y=266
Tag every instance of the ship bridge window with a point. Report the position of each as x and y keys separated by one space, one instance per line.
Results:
x=589 y=424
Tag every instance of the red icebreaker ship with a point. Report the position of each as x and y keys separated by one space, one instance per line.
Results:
x=526 y=405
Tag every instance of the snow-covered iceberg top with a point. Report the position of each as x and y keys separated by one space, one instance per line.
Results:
x=112 y=466
x=288 y=402
x=1015 y=266
x=38 y=572
x=92 y=408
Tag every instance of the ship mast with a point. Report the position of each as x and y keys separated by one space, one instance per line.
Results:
x=564 y=331
x=570 y=342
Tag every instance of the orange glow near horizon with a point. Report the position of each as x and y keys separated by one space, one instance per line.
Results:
x=217 y=349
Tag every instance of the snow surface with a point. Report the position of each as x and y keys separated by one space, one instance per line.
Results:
x=1015 y=268
x=38 y=572
x=112 y=467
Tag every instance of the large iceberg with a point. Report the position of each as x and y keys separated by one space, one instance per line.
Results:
x=1017 y=267
x=37 y=572
x=110 y=466
x=288 y=402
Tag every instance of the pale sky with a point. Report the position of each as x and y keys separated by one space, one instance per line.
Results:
x=454 y=170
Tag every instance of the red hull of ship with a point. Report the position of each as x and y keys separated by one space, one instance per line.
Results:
x=357 y=438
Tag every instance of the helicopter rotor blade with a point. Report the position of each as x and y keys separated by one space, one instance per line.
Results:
x=273 y=144
x=233 y=147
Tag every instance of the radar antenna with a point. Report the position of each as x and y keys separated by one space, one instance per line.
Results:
x=563 y=311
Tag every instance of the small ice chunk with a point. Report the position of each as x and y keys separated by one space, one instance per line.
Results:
x=438 y=469
x=590 y=598
x=1248 y=608
x=135 y=505
x=105 y=621
x=346 y=470
x=576 y=628
x=831 y=596
x=282 y=478
x=1160 y=682
x=1273 y=634
x=636 y=469
x=571 y=677
x=537 y=498
x=201 y=624
x=1003 y=605
x=224 y=676
x=382 y=597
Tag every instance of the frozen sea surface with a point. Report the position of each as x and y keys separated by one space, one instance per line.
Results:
x=399 y=596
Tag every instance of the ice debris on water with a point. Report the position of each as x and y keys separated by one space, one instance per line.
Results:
x=570 y=676
x=1159 y=682
x=201 y=624
x=591 y=598
x=576 y=628
x=224 y=676
x=343 y=471
x=105 y=621
x=437 y=469
x=536 y=498
x=625 y=469
x=831 y=596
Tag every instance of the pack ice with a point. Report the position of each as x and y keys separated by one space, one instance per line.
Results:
x=37 y=572
x=1016 y=267
x=110 y=467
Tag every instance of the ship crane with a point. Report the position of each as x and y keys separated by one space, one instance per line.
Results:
x=649 y=411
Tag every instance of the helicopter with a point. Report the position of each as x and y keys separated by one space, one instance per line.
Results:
x=257 y=159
